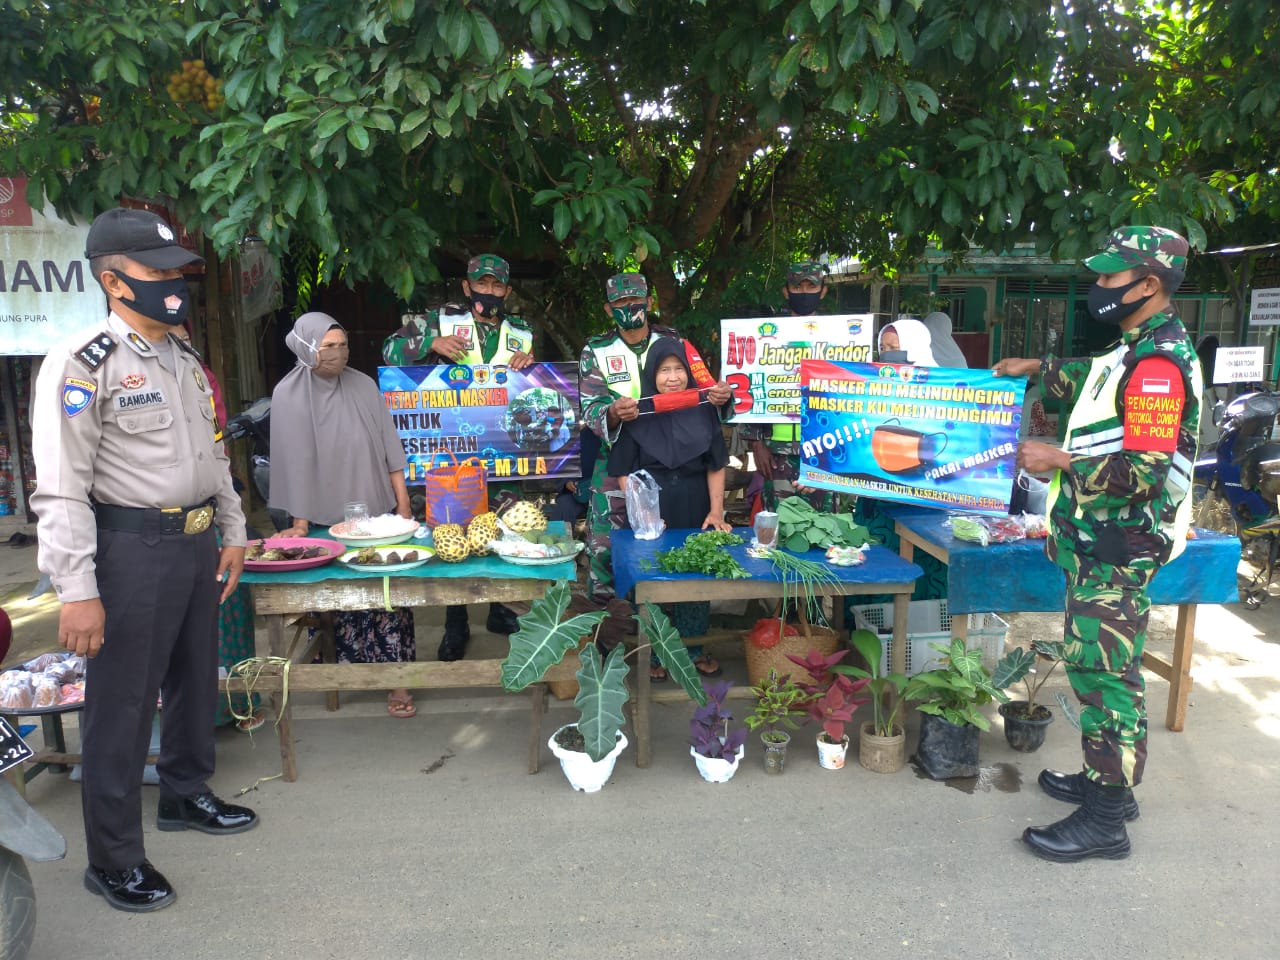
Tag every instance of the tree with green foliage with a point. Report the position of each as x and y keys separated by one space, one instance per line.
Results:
x=696 y=139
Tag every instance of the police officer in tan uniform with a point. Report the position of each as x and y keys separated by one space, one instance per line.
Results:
x=132 y=489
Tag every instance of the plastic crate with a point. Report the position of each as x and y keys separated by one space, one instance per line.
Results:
x=927 y=623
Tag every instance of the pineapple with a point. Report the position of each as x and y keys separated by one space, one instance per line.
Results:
x=451 y=542
x=480 y=531
x=523 y=517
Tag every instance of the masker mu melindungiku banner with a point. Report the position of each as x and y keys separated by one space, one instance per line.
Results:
x=933 y=436
x=760 y=358
x=521 y=424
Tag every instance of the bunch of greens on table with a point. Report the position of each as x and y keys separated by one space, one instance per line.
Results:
x=801 y=527
x=704 y=553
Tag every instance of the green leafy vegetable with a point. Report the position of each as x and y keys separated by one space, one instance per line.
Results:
x=704 y=553
x=801 y=527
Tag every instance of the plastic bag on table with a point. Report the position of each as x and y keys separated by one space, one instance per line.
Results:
x=642 y=506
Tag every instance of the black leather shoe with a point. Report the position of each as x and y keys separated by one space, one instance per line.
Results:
x=1069 y=788
x=1094 y=829
x=457 y=633
x=136 y=890
x=203 y=812
x=502 y=620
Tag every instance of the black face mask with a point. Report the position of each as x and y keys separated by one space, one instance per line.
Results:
x=803 y=304
x=165 y=301
x=486 y=304
x=1106 y=303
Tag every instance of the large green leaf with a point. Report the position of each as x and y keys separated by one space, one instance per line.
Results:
x=544 y=637
x=1013 y=666
x=671 y=652
x=602 y=693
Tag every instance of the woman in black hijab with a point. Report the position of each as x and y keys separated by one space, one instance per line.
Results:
x=684 y=451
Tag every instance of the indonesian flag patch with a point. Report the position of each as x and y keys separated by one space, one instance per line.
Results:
x=1153 y=402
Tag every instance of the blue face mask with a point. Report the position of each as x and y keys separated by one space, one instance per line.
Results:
x=165 y=301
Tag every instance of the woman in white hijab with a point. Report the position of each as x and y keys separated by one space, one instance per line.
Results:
x=911 y=336
x=945 y=349
x=333 y=441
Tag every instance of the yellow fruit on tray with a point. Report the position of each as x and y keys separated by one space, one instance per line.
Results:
x=523 y=517
x=480 y=531
x=450 y=542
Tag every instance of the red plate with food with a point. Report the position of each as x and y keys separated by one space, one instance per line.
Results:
x=290 y=553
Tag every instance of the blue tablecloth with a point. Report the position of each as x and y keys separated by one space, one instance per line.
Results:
x=1018 y=577
x=491 y=568
x=633 y=560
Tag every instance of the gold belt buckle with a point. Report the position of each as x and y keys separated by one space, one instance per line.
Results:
x=198 y=520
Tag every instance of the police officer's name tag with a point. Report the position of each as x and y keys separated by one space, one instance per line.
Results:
x=13 y=749
x=135 y=401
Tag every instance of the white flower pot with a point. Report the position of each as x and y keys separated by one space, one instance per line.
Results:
x=582 y=772
x=831 y=755
x=714 y=769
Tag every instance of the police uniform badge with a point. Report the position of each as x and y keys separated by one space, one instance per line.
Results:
x=133 y=381
x=140 y=343
x=513 y=343
x=199 y=379
x=77 y=395
x=94 y=353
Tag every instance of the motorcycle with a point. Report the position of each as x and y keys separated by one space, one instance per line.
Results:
x=1242 y=476
x=24 y=835
x=254 y=424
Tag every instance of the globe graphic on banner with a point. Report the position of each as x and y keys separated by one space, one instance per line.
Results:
x=7 y=189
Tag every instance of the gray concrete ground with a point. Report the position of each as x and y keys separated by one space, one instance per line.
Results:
x=427 y=838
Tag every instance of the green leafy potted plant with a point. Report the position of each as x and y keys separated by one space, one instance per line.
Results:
x=832 y=700
x=779 y=700
x=882 y=741
x=588 y=749
x=1025 y=721
x=715 y=749
x=950 y=700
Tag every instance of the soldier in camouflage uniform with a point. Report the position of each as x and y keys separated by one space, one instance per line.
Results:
x=609 y=386
x=476 y=333
x=776 y=446
x=1119 y=510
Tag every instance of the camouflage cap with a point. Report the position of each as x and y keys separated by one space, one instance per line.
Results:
x=806 y=270
x=1131 y=247
x=489 y=264
x=626 y=285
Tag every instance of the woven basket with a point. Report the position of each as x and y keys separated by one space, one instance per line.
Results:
x=760 y=662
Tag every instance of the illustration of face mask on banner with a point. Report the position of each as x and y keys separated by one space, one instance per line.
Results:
x=630 y=317
x=901 y=450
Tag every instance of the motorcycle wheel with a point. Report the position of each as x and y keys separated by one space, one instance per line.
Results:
x=17 y=907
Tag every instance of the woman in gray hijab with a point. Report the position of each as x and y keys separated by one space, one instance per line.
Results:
x=946 y=351
x=333 y=441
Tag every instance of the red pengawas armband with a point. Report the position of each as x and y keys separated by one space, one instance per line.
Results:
x=1153 y=403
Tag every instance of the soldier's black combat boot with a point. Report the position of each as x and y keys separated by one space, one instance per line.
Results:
x=1095 y=829
x=457 y=632
x=1069 y=788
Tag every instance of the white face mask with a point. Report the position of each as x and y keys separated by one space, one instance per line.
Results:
x=307 y=351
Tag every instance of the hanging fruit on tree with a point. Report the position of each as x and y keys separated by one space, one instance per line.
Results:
x=194 y=84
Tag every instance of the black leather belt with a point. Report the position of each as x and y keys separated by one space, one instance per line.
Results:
x=162 y=520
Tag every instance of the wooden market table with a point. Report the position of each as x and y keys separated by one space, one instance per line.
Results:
x=1018 y=577
x=278 y=596
x=634 y=568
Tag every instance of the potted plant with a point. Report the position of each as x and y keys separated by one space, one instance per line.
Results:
x=950 y=700
x=882 y=741
x=832 y=700
x=778 y=701
x=715 y=749
x=588 y=749
x=1026 y=721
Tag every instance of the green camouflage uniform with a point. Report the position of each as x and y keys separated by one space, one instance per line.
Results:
x=407 y=347
x=1112 y=525
x=606 y=511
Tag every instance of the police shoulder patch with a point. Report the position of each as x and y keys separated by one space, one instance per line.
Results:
x=1153 y=401
x=94 y=353
x=77 y=394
